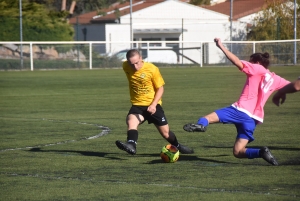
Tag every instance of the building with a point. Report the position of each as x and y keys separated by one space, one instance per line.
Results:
x=170 y=24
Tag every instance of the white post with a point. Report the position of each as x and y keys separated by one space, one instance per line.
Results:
x=148 y=52
x=90 y=56
x=295 y=32
x=21 y=33
x=201 y=61
x=231 y=15
x=131 y=31
x=31 y=57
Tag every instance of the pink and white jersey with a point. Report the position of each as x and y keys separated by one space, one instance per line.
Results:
x=260 y=84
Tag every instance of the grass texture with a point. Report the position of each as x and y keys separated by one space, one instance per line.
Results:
x=58 y=132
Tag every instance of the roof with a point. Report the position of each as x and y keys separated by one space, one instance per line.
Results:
x=111 y=15
x=240 y=8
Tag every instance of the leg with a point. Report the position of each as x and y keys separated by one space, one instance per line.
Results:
x=245 y=129
x=164 y=131
x=239 y=149
x=202 y=123
x=132 y=121
x=245 y=135
x=171 y=138
x=211 y=118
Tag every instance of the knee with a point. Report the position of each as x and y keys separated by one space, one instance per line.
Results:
x=131 y=124
x=212 y=118
x=237 y=153
x=165 y=135
x=132 y=121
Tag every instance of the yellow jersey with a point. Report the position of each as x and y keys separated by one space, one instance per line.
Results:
x=143 y=83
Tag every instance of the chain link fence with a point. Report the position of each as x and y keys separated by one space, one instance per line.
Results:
x=93 y=55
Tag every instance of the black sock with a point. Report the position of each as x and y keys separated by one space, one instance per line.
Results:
x=172 y=139
x=132 y=136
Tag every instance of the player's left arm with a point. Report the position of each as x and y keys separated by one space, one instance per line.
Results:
x=280 y=96
x=158 y=95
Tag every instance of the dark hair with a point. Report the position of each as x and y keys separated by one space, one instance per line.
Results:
x=132 y=53
x=263 y=59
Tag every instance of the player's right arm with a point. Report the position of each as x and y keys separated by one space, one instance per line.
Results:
x=234 y=59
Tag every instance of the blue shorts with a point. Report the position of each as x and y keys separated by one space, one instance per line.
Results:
x=244 y=124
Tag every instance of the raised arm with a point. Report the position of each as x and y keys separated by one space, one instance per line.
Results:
x=234 y=59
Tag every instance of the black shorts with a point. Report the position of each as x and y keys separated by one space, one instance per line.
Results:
x=158 y=118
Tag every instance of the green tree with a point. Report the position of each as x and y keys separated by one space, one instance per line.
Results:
x=39 y=23
x=275 y=22
x=82 y=6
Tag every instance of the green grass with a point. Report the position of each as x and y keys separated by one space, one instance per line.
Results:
x=46 y=118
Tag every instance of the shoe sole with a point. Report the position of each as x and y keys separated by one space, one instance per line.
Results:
x=121 y=146
x=271 y=157
x=190 y=128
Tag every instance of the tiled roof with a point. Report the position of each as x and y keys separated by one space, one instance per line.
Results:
x=124 y=9
x=240 y=8
x=83 y=18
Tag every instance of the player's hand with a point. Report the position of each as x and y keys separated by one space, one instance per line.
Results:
x=218 y=42
x=277 y=97
x=151 y=109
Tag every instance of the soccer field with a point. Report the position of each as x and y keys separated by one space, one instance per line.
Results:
x=58 y=133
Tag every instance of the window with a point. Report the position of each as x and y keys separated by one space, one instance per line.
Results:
x=174 y=45
x=151 y=44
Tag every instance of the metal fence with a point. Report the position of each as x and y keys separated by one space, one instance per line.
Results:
x=93 y=55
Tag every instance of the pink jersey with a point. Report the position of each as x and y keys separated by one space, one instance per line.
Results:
x=260 y=84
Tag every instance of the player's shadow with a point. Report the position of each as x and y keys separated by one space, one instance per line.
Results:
x=294 y=161
x=189 y=158
x=84 y=153
x=257 y=147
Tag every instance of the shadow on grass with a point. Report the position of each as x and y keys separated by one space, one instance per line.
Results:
x=84 y=153
x=204 y=161
x=270 y=147
x=190 y=158
x=294 y=161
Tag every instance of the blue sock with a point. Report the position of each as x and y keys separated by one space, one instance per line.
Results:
x=203 y=121
x=252 y=153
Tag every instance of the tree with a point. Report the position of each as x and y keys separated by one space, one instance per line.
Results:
x=275 y=22
x=39 y=24
x=82 y=6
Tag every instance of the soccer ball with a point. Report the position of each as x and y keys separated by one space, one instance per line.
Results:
x=169 y=154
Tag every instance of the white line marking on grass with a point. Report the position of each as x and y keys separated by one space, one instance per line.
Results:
x=105 y=131
x=151 y=184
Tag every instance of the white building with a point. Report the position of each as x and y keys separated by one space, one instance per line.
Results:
x=158 y=22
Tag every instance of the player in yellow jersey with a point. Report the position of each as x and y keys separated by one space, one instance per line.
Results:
x=146 y=86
